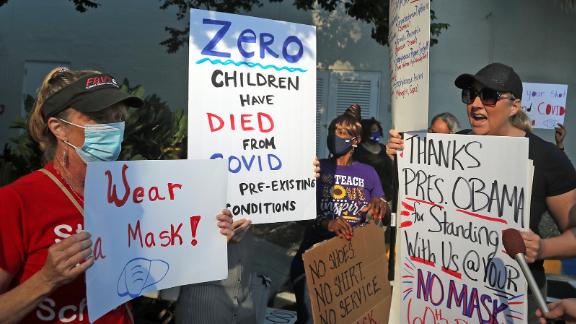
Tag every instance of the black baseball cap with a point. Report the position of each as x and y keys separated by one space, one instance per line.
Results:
x=496 y=76
x=90 y=93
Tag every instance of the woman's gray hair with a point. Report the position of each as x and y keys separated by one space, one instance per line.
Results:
x=450 y=120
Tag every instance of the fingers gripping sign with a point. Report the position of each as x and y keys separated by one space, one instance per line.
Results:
x=395 y=143
x=340 y=227
x=225 y=223
x=377 y=209
x=67 y=259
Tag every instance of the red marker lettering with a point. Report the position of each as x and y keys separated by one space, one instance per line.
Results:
x=194 y=220
x=247 y=122
x=139 y=194
x=166 y=237
x=112 y=196
x=97 y=252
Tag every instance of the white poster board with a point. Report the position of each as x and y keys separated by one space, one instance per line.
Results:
x=409 y=43
x=153 y=226
x=456 y=195
x=252 y=103
x=544 y=103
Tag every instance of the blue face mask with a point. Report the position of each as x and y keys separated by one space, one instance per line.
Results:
x=375 y=136
x=102 y=142
x=338 y=146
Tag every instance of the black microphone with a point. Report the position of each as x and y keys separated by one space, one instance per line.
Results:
x=516 y=249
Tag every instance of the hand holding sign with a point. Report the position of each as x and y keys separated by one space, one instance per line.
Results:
x=395 y=143
x=376 y=210
x=560 y=135
x=225 y=223
x=340 y=227
x=67 y=259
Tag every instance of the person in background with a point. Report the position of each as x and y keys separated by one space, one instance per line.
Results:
x=342 y=182
x=77 y=118
x=562 y=310
x=372 y=152
x=493 y=103
x=560 y=135
x=229 y=300
x=444 y=123
x=241 y=297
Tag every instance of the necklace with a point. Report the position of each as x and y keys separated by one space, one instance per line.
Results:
x=79 y=199
x=58 y=167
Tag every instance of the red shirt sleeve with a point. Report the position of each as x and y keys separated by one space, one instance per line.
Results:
x=11 y=231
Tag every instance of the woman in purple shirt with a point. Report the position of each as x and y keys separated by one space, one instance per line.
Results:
x=348 y=194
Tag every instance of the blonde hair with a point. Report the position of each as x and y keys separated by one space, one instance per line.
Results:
x=57 y=79
x=521 y=121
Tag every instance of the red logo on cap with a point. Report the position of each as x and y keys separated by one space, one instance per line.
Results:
x=100 y=80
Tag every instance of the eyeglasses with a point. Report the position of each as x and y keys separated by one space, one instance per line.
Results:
x=488 y=96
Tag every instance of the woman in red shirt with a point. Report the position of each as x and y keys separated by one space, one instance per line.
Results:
x=44 y=251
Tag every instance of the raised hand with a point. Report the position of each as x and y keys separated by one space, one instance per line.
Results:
x=395 y=143
x=560 y=135
x=224 y=218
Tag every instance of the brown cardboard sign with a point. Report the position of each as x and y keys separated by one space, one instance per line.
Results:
x=348 y=279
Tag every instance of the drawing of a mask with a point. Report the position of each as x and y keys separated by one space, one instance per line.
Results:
x=140 y=273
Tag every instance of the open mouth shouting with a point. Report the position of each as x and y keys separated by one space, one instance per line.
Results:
x=477 y=118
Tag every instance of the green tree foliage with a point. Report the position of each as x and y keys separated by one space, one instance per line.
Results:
x=22 y=154
x=79 y=5
x=153 y=132
x=373 y=12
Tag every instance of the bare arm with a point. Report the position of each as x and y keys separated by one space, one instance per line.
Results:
x=564 y=246
x=65 y=261
x=564 y=309
x=16 y=303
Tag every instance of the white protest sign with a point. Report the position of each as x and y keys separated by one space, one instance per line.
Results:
x=153 y=224
x=252 y=103
x=544 y=103
x=456 y=195
x=409 y=42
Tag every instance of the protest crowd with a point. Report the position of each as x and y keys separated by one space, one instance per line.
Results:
x=358 y=190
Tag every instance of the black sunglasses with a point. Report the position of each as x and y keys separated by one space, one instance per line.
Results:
x=488 y=96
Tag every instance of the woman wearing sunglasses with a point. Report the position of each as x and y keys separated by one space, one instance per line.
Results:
x=493 y=103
